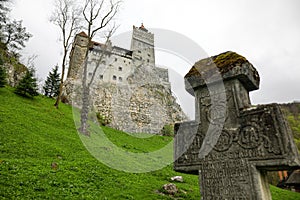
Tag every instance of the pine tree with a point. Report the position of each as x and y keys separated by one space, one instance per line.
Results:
x=27 y=85
x=51 y=87
x=2 y=74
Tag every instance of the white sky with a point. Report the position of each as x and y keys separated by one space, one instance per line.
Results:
x=266 y=32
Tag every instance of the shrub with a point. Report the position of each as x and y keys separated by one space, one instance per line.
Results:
x=167 y=130
x=103 y=120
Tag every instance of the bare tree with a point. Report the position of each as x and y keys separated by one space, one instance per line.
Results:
x=99 y=17
x=67 y=17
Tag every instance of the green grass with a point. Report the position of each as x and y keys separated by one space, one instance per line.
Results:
x=280 y=194
x=294 y=122
x=33 y=135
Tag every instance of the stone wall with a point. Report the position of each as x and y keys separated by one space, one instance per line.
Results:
x=143 y=105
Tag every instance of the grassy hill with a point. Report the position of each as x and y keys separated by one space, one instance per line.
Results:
x=42 y=157
x=292 y=111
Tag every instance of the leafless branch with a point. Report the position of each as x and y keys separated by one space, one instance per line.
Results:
x=104 y=52
x=66 y=16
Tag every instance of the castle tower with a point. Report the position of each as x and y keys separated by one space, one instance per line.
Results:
x=77 y=55
x=142 y=45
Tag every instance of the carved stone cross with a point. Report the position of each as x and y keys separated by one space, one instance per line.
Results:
x=232 y=144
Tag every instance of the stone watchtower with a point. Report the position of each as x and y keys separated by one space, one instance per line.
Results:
x=77 y=55
x=142 y=46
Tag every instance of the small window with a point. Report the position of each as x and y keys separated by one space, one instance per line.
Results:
x=101 y=77
x=120 y=69
x=124 y=61
x=139 y=51
x=148 y=60
x=116 y=59
x=90 y=74
x=114 y=77
x=149 y=55
x=120 y=79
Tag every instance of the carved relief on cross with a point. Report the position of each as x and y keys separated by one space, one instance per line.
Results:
x=232 y=144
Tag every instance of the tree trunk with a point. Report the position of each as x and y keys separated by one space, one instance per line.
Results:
x=85 y=111
x=61 y=80
x=85 y=98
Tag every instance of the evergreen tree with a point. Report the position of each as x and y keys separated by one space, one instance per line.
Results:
x=51 y=87
x=2 y=74
x=27 y=85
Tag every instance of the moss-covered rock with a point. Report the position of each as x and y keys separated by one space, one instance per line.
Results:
x=222 y=62
x=14 y=69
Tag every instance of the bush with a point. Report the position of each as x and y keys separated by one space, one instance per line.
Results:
x=103 y=121
x=167 y=130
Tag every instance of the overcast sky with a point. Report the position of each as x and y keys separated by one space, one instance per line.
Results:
x=266 y=32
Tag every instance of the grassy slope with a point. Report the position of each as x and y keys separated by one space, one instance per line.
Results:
x=294 y=122
x=33 y=134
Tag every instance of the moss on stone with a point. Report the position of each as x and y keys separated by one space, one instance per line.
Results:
x=224 y=62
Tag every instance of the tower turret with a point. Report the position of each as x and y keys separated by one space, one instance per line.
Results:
x=77 y=55
x=142 y=45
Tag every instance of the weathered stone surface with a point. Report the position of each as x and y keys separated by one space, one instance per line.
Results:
x=14 y=73
x=144 y=105
x=233 y=143
x=170 y=188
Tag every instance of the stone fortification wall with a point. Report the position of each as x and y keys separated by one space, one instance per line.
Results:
x=144 y=104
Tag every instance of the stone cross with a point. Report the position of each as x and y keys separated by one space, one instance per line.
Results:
x=232 y=144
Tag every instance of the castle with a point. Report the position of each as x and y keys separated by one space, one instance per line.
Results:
x=129 y=92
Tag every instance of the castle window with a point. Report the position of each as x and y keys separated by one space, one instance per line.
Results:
x=101 y=77
x=120 y=68
x=90 y=74
x=120 y=79
x=139 y=51
x=149 y=55
x=116 y=59
x=148 y=60
x=114 y=77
